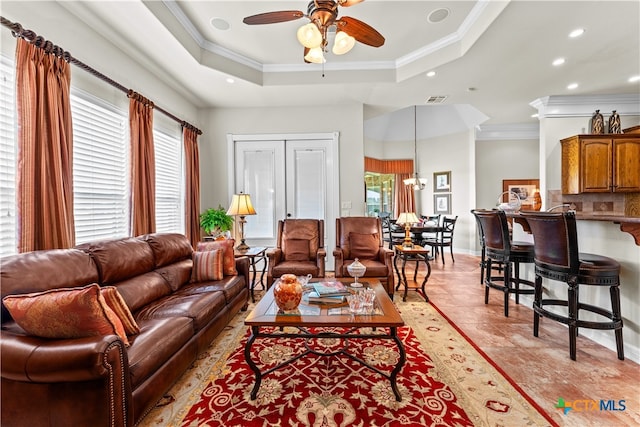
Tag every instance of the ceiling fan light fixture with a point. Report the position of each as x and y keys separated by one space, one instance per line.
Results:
x=343 y=43
x=309 y=35
x=315 y=56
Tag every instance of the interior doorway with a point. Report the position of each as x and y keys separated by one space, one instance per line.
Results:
x=287 y=176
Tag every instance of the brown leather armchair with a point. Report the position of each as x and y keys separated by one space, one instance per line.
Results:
x=300 y=249
x=361 y=237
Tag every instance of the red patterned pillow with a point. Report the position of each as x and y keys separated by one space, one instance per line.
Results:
x=65 y=313
x=207 y=265
x=116 y=303
x=229 y=257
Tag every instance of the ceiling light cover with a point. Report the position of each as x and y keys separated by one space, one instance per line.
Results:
x=315 y=56
x=558 y=61
x=572 y=86
x=576 y=33
x=343 y=43
x=309 y=35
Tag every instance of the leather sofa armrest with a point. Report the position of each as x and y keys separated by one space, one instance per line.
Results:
x=34 y=359
x=242 y=265
x=338 y=261
x=385 y=255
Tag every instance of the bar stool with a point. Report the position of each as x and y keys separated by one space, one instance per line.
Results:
x=483 y=252
x=557 y=258
x=501 y=249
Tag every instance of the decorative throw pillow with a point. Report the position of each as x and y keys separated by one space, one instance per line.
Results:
x=207 y=265
x=229 y=263
x=65 y=313
x=116 y=303
x=365 y=246
x=296 y=250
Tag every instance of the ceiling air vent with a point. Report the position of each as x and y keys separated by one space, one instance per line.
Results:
x=436 y=99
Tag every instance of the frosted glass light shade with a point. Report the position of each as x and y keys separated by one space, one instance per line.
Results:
x=343 y=43
x=315 y=55
x=309 y=35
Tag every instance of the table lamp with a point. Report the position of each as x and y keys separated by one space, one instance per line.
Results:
x=407 y=218
x=241 y=206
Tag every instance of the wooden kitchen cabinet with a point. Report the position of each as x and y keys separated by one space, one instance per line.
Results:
x=601 y=163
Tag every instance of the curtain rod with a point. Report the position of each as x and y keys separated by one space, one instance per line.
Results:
x=49 y=47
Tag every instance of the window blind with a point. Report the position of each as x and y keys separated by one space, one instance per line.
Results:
x=8 y=242
x=169 y=182
x=100 y=169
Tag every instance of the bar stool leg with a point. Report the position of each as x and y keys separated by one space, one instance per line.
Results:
x=537 y=303
x=516 y=280
x=614 y=291
x=573 y=316
x=507 y=285
x=487 y=279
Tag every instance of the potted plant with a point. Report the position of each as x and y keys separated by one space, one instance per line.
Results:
x=216 y=221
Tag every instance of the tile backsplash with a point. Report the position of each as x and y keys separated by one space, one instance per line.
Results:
x=592 y=203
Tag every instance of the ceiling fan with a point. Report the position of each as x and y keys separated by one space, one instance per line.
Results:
x=323 y=15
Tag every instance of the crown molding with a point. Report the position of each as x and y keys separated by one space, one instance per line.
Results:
x=510 y=132
x=558 y=106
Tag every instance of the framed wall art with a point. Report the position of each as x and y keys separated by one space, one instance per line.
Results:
x=524 y=188
x=442 y=182
x=442 y=204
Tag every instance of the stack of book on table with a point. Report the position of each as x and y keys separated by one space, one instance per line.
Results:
x=328 y=293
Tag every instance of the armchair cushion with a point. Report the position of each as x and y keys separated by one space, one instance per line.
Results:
x=296 y=250
x=229 y=261
x=365 y=246
x=65 y=313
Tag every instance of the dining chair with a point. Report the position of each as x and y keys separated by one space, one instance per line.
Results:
x=391 y=234
x=500 y=248
x=299 y=249
x=443 y=238
x=558 y=259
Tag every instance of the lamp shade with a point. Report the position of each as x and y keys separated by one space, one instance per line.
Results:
x=407 y=218
x=315 y=56
x=241 y=205
x=309 y=35
x=343 y=43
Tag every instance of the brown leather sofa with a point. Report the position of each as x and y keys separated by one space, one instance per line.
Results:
x=97 y=381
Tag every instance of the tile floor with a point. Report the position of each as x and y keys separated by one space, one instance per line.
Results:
x=540 y=366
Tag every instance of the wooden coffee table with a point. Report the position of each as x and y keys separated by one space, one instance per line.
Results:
x=310 y=321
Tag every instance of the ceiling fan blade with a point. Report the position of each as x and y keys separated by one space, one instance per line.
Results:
x=347 y=3
x=364 y=33
x=273 y=17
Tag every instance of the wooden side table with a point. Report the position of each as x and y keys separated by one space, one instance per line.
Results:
x=417 y=253
x=256 y=254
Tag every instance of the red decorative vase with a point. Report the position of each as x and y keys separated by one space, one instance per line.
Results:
x=287 y=292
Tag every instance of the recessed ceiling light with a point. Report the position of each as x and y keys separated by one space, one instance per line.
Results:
x=534 y=115
x=558 y=61
x=230 y=80
x=634 y=79
x=438 y=15
x=572 y=86
x=431 y=73
x=220 y=24
x=576 y=33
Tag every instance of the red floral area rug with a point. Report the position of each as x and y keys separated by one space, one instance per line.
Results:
x=320 y=390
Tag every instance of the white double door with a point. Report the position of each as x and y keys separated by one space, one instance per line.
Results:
x=287 y=176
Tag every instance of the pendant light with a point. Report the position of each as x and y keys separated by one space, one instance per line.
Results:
x=417 y=182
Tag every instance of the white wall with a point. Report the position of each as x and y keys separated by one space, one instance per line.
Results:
x=347 y=120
